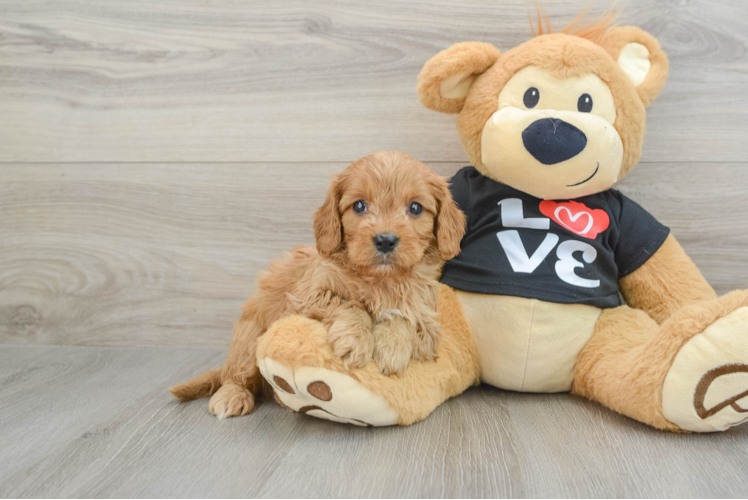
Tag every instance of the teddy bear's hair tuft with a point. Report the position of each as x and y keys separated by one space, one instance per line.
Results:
x=592 y=30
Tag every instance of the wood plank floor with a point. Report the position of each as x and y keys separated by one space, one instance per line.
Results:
x=99 y=422
x=156 y=155
x=163 y=255
x=189 y=80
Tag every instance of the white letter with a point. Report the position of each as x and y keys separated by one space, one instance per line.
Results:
x=517 y=255
x=567 y=263
x=512 y=216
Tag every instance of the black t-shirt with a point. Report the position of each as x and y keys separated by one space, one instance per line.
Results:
x=570 y=252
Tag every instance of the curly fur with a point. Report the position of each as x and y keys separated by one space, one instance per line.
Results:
x=372 y=304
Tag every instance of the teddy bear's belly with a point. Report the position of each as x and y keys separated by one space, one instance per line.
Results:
x=527 y=344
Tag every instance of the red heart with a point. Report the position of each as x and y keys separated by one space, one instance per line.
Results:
x=576 y=217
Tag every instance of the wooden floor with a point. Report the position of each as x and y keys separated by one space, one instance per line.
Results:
x=155 y=155
x=95 y=422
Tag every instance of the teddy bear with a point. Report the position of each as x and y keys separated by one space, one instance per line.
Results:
x=562 y=283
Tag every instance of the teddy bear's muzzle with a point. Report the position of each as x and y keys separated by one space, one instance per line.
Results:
x=552 y=140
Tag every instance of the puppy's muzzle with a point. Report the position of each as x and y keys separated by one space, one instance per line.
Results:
x=385 y=242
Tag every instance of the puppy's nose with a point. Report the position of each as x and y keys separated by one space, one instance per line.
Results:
x=551 y=140
x=385 y=242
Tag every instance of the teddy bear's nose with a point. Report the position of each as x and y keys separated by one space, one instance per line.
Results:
x=551 y=140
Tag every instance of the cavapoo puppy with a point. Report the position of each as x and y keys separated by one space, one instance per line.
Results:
x=385 y=229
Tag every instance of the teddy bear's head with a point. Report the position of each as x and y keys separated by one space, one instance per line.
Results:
x=558 y=117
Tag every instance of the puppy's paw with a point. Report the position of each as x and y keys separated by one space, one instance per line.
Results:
x=426 y=343
x=352 y=341
x=231 y=400
x=425 y=350
x=392 y=352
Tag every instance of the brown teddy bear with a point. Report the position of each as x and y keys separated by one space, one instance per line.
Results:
x=533 y=301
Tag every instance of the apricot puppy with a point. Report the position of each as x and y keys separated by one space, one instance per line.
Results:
x=385 y=229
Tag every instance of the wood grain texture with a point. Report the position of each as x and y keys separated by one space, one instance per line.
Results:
x=156 y=155
x=96 y=422
x=189 y=80
x=151 y=254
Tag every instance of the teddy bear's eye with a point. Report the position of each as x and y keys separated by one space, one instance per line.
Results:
x=359 y=207
x=584 y=104
x=531 y=98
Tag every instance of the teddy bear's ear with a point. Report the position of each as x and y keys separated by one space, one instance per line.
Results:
x=639 y=55
x=445 y=79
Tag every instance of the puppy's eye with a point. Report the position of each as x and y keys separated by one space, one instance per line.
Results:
x=584 y=104
x=531 y=98
x=415 y=209
x=359 y=207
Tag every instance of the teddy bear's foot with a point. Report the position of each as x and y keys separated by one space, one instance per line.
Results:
x=327 y=394
x=706 y=388
x=295 y=356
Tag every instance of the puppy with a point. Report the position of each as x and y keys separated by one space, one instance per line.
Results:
x=385 y=229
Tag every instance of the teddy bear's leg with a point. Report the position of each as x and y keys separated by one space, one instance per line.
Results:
x=295 y=357
x=688 y=374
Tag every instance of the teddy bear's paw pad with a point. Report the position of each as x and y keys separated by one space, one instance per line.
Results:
x=327 y=394
x=706 y=389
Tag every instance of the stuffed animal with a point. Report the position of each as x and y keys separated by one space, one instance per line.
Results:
x=562 y=283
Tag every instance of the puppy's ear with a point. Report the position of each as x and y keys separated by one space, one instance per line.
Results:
x=450 y=221
x=328 y=228
x=446 y=78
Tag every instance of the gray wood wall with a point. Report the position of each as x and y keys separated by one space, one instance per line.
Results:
x=156 y=155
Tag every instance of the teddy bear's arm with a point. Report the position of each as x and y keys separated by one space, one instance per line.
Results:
x=668 y=281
